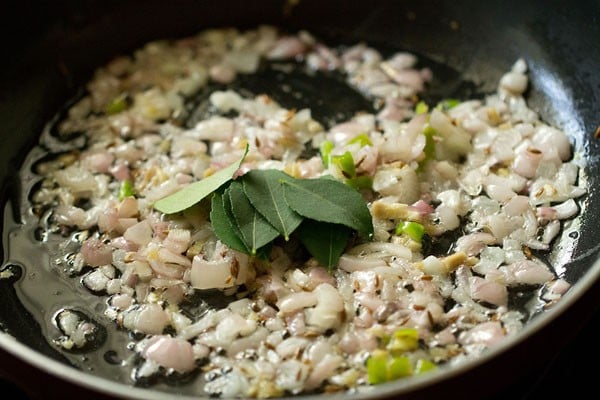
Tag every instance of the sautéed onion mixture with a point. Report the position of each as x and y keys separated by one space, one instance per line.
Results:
x=463 y=198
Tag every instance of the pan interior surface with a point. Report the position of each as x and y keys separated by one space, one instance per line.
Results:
x=467 y=54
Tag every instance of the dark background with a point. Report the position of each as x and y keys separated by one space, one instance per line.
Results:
x=45 y=55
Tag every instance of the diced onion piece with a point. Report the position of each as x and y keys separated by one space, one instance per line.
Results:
x=170 y=352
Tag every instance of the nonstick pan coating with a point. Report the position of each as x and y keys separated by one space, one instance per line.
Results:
x=51 y=49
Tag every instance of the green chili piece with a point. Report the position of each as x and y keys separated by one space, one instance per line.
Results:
x=404 y=339
x=421 y=108
x=429 y=148
x=399 y=367
x=377 y=368
x=414 y=230
x=423 y=365
x=117 y=105
x=381 y=367
x=449 y=103
x=126 y=189
x=345 y=163
x=362 y=140
x=325 y=149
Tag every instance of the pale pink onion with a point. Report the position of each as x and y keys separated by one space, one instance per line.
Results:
x=296 y=301
x=406 y=77
x=212 y=274
x=559 y=286
x=349 y=343
x=526 y=162
x=128 y=207
x=222 y=73
x=178 y=240
x=487 y=333
x=352 y=263
x=445 y=337
x=121 y=243
x=546 y=137
x=287 y=47
x=167 y=270
x=422 y=207
x=326 y=314
x=126 y=223
x=473 y=243
x=296 y=323
x=488 y=291
x=108 y=221
x=170 y=352
x=290 y=346
x=369 y=300
x=95 y=281
x=251 y=341
x=140 y=233
x=318 y=275
x=167 y=256
x=121 y=301
x=343 y=132
x=97 y=161
x=500 y=193
x=323 y=370
x=232 y=326
x=517 y=205
x=96 y=253
x=214 y=129
x=526 y=272
x=566 y=209
x=148 y=318
x=120 y=171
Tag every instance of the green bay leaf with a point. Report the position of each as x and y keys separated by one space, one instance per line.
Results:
x=224 y=226
x=194 y=192
x=265 y=191
x=255 y=230
x=324 y=241
x=330 y=201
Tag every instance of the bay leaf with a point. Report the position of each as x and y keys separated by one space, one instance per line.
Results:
x=194 y=192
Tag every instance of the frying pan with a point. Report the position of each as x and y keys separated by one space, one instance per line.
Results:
x=49 y=50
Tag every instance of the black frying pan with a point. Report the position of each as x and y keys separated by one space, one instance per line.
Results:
x=51 y=49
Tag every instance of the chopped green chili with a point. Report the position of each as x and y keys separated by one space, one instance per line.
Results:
x=421 y=108
x=412 y=229
x=345 y=163
x=325 y=149
x=449 y=103
x=423 y=365
x=362 y=140
x=117 y=105
x=404 y=339
x=126 y=189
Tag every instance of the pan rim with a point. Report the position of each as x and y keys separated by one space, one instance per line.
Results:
x=66 y=372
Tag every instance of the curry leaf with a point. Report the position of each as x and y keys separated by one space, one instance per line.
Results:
x=263 y=189
x=325 y=242
x=223 y=226
x=330 y=201
x=231 y=217
x=255 y=229
x=193 y=193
